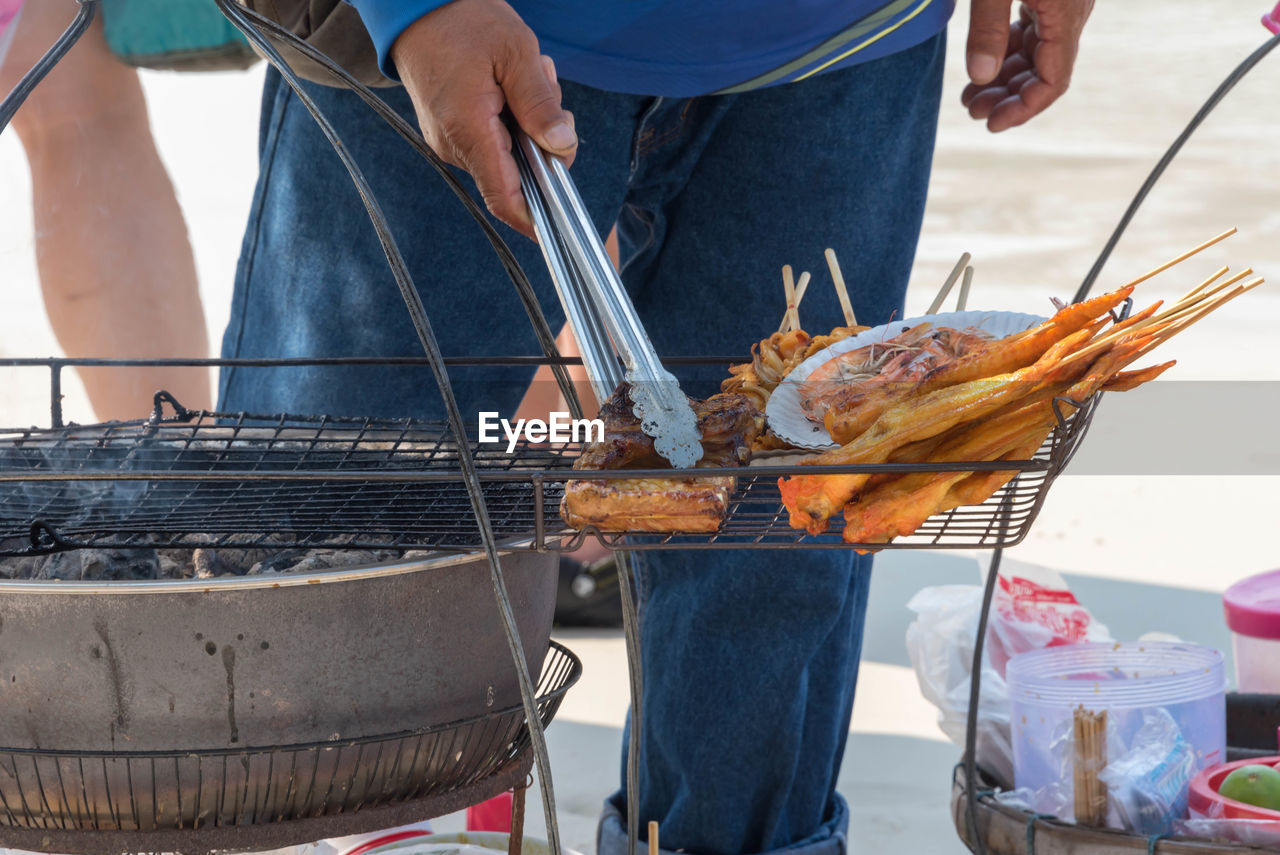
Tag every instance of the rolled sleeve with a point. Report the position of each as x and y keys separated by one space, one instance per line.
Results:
x=387 y=19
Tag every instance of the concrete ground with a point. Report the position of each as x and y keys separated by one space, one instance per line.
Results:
x=1149 y=547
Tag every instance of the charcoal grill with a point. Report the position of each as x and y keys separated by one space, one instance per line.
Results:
x=260 y=704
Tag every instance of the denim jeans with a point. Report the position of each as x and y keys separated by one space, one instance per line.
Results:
x=751 y=656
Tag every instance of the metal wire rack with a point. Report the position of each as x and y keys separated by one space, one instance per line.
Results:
x=182 y=478
x=58 y=795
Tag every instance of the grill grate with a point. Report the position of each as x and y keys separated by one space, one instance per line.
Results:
x=237 y=480
x=72 y=791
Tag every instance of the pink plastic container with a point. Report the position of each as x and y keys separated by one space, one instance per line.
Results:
x=1252 y=607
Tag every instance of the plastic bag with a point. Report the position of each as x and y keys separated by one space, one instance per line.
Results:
x=940 y=644
x=1148 y=783
x=1031 y=608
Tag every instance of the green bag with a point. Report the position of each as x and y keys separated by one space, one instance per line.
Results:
x=174 y=35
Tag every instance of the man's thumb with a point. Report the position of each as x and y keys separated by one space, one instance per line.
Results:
x=534 y=98
x=988 y=38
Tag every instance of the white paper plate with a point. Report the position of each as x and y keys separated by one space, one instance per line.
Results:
x=788 y=420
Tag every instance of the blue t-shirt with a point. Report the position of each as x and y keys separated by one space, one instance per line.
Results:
x=682 y=48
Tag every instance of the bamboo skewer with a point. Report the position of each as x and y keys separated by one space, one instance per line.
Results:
x=791 y=317
x=1205 y=284
x=1184 y=318
x=1196 y=309
x=1184 y=256
x=1170 y=322
x=948 y=284
x=963 y=300
x=802 y=285
x=1185 y=303
x=1089 y=730
x=842 y=292
x=791 y=321
x=1181 y=258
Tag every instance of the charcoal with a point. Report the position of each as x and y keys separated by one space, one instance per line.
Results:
x=335 y=559
x=26 y=567
x=173 y=563
x=109 y=565
x=205 y=563
x=279 y=562
x=118 y=565
x=62 y=565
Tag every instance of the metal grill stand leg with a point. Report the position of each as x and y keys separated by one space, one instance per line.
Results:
x=515 y=843
x=631 y=632
x=975 y=688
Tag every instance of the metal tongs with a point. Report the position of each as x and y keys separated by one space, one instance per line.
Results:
x=605 y=323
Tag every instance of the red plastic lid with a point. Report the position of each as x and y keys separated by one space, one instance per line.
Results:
x=1252 y=606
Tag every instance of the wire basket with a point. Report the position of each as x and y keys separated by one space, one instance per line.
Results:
x=73 y=793
x=207 y=479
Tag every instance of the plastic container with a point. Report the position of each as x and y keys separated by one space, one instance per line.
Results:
x=1126 y=679
x=1252 y=607
x=1206 y=802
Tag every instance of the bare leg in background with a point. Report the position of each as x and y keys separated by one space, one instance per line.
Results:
x=115 y=263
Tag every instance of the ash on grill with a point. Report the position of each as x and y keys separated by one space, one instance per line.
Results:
x=95 y=565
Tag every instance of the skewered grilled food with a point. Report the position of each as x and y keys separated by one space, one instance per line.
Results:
x=774 y=358
x=905 y=358
x=771 y=361
x=859 y=407
x=731 y=425
x=648 y=504
x=727 y=423
x=960 y=411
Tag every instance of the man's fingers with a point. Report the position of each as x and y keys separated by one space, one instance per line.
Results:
x=1019 y=81
x=980 y=99
x=1032 y=99
x=1040 y=55
x=1017 y=34
x=981 y=105
x=486 y=154
x=988 y=38
x=534 y=97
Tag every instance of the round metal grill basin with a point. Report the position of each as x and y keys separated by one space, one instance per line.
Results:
x=67 y=791
x=226 y=663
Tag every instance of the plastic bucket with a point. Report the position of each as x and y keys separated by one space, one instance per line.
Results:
x=1046 y=686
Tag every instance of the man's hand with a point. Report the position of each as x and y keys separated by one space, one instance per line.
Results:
x=1019 y=70
x=460 y=64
